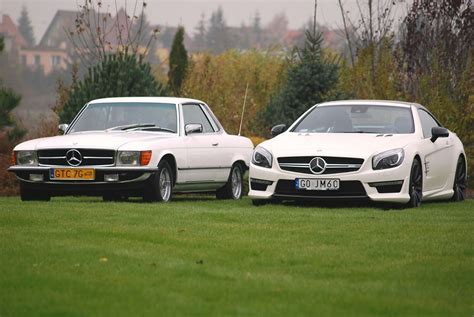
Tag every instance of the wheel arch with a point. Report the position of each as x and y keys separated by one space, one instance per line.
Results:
x=170 y=158
x=242 y=164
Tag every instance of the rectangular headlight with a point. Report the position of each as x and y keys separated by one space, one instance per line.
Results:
x=134 y=158
x=26 y=158
x=129 y=158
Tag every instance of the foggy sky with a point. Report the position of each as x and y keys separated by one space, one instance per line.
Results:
x=188 y=12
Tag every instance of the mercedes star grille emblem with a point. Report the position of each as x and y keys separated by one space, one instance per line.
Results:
x=317 y=165
x=73 y=157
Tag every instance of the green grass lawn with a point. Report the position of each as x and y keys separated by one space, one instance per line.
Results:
x=199 y=256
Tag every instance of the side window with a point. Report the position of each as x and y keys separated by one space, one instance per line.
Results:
x=195 y=114
x=427 y=122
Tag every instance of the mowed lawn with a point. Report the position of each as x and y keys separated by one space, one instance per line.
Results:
x=200 y=256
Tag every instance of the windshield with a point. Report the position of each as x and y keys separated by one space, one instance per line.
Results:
x=357 y=119
x=127 y=116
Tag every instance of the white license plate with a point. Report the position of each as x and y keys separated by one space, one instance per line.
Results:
x=317 y=184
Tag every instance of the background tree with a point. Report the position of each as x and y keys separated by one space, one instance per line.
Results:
x=217 y=38
x=436 y=53
x=141 y=30
x=25 y=28
x=178 y=62
x=200 y=35
x=9 y=100
x=96 y=34
x=118 y=75
x=256 y=30
x=312 y=79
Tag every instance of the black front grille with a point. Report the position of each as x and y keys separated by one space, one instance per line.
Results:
x=330 y=160
x=347 y=189
x=90 y=157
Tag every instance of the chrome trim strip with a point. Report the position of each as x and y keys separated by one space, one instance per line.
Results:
x=51 y=157
x=80 y=166
x=201 y=168
x=303 y=165
x=98 y=158
x=343 y=165
x=112 y=168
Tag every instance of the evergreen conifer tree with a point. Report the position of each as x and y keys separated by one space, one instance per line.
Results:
x=178 y=62
x=25 y=28
x=200 y=35
x=217 y=38
x=311 y=79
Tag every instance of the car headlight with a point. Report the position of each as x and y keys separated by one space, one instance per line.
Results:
x=262 y=157
x=388 y=159
x=133 y=158
x=26 y=158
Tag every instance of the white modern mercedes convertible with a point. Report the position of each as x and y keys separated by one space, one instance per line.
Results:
x=149 y=147
x=381 y=150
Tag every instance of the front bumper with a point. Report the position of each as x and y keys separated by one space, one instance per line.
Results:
x=132 y=181
x=270 y=183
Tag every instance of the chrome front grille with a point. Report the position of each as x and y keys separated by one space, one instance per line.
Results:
x=88 y=157
x=333 y=165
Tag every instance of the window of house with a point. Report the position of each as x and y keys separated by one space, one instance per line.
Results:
x=55 y=60
x=37 y=59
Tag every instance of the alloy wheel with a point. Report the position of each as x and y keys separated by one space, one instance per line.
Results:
x=459 y=186
x=236 y=182
x=165 y=184
x=416 y=184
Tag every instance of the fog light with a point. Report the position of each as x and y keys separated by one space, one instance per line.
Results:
x=36 y=177
x=111 y=177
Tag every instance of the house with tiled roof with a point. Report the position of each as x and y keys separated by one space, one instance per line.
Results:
x=12 y=38
x=54 y=49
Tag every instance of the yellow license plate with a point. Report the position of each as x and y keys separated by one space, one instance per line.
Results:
x=72 y=174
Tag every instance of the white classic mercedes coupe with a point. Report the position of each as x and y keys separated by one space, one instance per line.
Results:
x=148 y=147
x=382 y=150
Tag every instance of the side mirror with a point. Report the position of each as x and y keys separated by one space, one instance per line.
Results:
x=193 y=128
x=63 y=127
x=438 y=132
x=278 y=129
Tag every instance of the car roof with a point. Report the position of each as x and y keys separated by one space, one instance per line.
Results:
x=174 y=100
x=370 y=103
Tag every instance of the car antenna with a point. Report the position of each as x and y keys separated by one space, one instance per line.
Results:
x=243 y=108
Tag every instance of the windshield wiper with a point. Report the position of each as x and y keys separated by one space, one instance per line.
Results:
x=131 y=126
x=155 y=128
x=141 y=126
x=357 y=131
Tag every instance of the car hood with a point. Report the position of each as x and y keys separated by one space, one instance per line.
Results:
x=335 y=144
x=93 y=140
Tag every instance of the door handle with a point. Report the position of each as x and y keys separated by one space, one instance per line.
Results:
x=215 y=144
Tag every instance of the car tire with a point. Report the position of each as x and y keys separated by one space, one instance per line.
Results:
x=459 y=185
x=27 y=194
x=234 y=187
x=415 y=188
x=161 y=187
